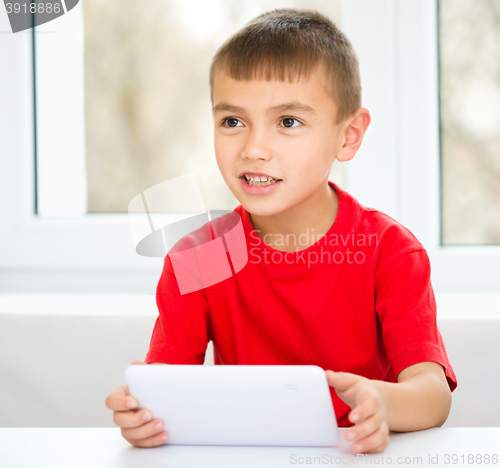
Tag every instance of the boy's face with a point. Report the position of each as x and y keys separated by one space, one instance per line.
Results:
x=278 y=129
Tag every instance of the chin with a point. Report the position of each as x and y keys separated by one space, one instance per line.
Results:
x=262 y=207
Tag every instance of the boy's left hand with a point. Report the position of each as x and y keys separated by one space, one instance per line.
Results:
x=368 y=411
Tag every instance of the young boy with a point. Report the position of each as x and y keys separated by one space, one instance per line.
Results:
x=328 y=281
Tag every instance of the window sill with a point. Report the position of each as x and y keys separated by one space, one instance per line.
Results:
x=468 y=305
x=79 y=304
x=450 y=305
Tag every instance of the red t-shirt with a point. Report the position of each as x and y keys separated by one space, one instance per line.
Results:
x=359 y=300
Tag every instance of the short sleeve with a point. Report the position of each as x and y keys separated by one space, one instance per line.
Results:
x=406 y=307
x=182 y=330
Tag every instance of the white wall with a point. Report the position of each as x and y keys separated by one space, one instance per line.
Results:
x=59 y=362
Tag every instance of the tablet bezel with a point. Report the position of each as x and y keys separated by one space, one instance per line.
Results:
x=281 y=405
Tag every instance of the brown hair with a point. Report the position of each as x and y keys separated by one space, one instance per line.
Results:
x=291 y=42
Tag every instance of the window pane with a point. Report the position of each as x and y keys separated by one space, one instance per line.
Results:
x=469 y=41
x=147 y=100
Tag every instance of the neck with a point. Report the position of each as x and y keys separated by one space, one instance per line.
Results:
x=301 y=226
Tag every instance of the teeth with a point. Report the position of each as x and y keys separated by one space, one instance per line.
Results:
x=256 y=180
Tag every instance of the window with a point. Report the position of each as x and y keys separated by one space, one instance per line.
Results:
x=80 y=239
x=122 y=103
x=136 y=88
x=398 y=170
x=469 y=53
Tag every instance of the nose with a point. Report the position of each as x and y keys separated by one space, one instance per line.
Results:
x=256 y=147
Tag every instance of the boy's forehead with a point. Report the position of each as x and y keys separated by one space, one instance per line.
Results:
x=310 y=91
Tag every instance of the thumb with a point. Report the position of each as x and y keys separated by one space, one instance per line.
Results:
x=345 y=386
x=341 y=381
x=137 y=362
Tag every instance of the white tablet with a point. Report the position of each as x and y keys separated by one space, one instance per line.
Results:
x=238 y=405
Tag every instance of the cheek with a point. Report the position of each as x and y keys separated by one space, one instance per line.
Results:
x=226 y=152
x=221 y=153
x=226 y=164
x=305 y=158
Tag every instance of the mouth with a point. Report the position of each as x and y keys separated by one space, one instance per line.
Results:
x=258 y=179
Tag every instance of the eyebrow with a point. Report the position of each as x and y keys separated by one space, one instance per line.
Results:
x=286 y=107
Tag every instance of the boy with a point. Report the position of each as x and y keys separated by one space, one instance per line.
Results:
x=328 y=281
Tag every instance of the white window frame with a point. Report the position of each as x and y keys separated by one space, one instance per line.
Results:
x=396 y=42
x=80 y=252
x=397 y=168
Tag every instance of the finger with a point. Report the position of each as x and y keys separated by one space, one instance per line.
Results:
x=368 y=406
x=137 y=362
x=134 y=418
x=365 y=428
x=142 y=432
x=341 y=381
x=153 y=441
x=373 y=441
x=121 y=400
x=380 y=448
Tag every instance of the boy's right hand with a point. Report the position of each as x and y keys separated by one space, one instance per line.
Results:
x=136 y=425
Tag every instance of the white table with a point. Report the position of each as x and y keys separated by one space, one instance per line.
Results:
x=105 y=448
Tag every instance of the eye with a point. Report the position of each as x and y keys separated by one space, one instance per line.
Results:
x=289 y=122
x=231 y=121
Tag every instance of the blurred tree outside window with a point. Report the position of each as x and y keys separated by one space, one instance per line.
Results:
x=147 y=101
x=469 y=46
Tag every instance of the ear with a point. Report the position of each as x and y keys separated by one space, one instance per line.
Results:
x=353 y=134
